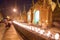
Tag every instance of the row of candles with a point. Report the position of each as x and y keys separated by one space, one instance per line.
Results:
x=40 y=31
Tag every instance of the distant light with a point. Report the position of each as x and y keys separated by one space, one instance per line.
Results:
x=32 y=28
x=36 y=16
x=29 y=15
x=46 y=21
x=8 y=17
x=49 y=33
x=42 y=31
x=38 y=30
x=35 y=29
x=56 y=36
x=14 y=10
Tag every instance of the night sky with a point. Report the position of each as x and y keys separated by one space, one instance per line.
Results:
x=20 y=3
x=6 y=4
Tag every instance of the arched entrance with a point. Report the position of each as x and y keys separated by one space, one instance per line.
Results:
x=36 y=16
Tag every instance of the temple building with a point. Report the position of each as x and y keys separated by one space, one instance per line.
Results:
x=40 y=13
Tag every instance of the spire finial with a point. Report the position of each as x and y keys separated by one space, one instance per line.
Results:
x=32 y=2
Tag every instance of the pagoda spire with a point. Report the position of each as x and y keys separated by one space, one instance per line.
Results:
x=24 y=9
x=32 y=2
x=32 y=9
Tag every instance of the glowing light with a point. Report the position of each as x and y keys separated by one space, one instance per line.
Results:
x=14 y=10
x=29 y=15
x=42 y=31
x=33 y=28
x=8 y=17
x=36 y=16
x=46 y=21
x=49 y=33
x=27 y=27
x=56 y=36
x=24 y=26
x=30 y=28
x=38 y=30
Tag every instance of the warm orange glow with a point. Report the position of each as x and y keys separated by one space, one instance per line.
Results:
x=38 y=30
x=56 y=36
x=14 y=10
x=8 y=17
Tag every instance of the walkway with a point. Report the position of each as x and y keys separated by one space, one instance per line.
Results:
x=9 y=34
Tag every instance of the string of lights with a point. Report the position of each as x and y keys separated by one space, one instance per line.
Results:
x=47 y=34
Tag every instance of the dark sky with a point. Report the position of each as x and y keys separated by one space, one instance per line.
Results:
x=19 y=3
x=8 y=5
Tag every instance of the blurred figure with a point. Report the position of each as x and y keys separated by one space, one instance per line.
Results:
x=7 y=22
